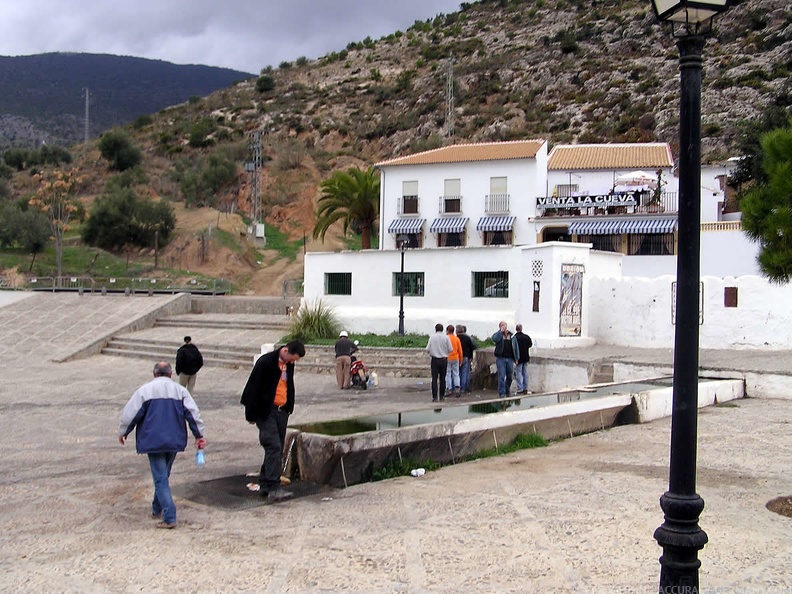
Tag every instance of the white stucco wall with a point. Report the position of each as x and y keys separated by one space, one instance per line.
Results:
x=637 y=312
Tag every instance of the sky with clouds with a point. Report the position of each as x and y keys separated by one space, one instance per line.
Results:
x=244 y=35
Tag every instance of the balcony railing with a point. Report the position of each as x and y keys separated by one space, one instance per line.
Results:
x=611 y=204
x=450 y=204
x=495 y=203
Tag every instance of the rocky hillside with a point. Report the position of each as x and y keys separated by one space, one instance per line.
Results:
x=567 y=71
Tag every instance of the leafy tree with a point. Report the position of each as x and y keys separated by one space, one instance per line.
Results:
x=351 y=196
x=54 y=155
x=16 y=158
x=750 y=147
x=767 y=207
x=34 y=233
x=9 y=224
x=120 y=219
x=55 y=197
x=201 y=182
x=116 y=147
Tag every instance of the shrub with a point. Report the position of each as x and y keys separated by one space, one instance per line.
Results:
x=265 y=83
x=142 y=121
x=199 y=134
x=312 y=321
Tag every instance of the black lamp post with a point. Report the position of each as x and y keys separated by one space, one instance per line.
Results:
x=401 y=241
x=680 y=534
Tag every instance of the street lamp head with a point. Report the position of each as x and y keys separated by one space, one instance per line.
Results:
x=692 y=17
x=402 y=240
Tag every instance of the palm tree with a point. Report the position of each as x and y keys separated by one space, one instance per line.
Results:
x=351 y=196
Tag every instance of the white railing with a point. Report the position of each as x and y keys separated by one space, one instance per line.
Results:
x=496 y=203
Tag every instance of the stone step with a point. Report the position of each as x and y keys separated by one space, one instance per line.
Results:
x=238 y=324
x=160 y=355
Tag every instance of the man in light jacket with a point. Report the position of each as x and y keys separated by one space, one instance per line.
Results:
x=160 y=412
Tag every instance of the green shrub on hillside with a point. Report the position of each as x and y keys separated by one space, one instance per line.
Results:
x=116 y=147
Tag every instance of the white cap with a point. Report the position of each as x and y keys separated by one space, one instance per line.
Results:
x=343 y=333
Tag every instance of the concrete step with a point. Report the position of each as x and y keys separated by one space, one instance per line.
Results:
x=387 y=362
x=229 y=324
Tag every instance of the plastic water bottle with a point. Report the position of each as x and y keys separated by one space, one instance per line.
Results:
x=200 y=458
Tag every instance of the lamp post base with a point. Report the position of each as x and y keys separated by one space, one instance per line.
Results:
x=681 y=538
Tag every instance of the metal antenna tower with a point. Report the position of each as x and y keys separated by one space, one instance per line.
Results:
x=449 y=119
x=87 y=100
x=253 y=167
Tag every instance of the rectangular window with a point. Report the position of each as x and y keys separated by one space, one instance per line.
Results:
x=499 y=185
x=564 y=190
x=491 y=284
x=409 y=197
x=338 y=283
x=450 y=239
x=409 y=205
x=452 y=196
x=497 y=238
x=413 y=240
x=603 y=243
x=651 y=244
x=413 y=284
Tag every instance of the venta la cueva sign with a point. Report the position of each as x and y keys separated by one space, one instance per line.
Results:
x=604 y=200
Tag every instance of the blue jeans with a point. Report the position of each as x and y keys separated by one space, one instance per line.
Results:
x=464 y=375
x=505 y=368
x=521 y=375
x=162 y=503
x=452 y=377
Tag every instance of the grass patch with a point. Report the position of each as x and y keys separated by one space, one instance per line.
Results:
x=78 y=260
x=397 y=468
x=228 y=240
x=279 y=241
x=408 y=341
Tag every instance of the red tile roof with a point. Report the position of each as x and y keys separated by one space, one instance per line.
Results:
x=461 y=153
x=648 y=155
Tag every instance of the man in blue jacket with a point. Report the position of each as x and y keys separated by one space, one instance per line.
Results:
x=160 y=412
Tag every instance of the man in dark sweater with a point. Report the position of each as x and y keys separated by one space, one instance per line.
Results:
x=468 y=346
x=524 y=343
x=188 y=362
x=268 y=399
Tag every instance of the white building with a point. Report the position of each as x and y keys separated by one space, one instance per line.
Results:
x=503 y=230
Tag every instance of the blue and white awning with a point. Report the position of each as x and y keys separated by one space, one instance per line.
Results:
x=595 y=227
x=406 y=225
x=495 y=224
x=448 y=225
x=649 y=226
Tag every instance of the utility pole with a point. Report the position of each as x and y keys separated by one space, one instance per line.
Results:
x=449 y=119
x=87 y=97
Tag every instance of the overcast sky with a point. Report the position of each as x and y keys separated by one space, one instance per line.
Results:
x=244 y=35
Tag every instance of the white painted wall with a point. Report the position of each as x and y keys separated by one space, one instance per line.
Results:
x=637 y=312
x=526 y=180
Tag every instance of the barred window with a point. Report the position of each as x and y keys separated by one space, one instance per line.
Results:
x=450 y=239
x=338 y=283
x=490 y=284
x=409 y=205
x=604 y=243
x=413 y=284
x=497 y=238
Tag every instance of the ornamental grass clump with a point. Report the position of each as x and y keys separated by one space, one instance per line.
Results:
x=314 y=321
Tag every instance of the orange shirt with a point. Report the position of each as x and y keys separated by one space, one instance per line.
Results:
x=280 y=391
x=456 y=348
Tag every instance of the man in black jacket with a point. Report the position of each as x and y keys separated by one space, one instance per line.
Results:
x=268 y=399
x=188 y=362
x=524 y=342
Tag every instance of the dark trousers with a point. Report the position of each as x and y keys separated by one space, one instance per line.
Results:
x=272 y=434
x=439 y=368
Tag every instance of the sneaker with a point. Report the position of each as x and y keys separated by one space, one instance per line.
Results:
x=165 y=525
x=434 y=399
x=279 y=494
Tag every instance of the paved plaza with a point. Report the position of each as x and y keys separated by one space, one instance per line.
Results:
x=576 y=516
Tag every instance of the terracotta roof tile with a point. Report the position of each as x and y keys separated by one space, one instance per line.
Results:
x=610 y=156
x=461 y=153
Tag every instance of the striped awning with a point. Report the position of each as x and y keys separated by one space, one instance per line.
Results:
x=448 y=225
x=649 y=226
x=406 y=225
x=595 y=227
x=495 y=224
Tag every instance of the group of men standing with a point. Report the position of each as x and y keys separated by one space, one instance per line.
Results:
x=512 y=354
x=451 y=351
